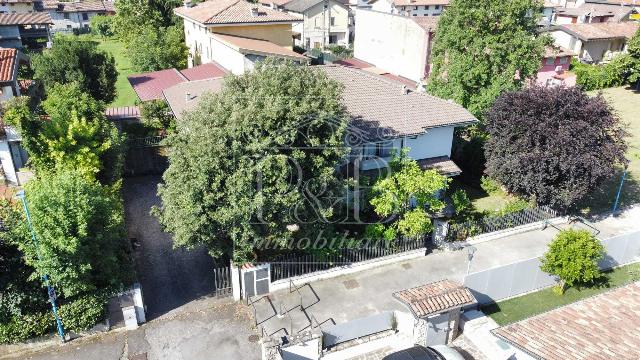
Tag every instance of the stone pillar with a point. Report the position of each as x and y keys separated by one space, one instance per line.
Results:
x=420 y=332
x=235 y=282
x=440 y=230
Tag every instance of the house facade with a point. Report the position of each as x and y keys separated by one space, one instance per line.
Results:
x=236 y=34
x=77 y=14
x=554 y=69
x=410 y=7
x=20 y=6
x=325 y=22
x=25 y=30
x=398 y=44
x=594 y=42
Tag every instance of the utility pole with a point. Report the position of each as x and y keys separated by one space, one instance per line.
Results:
x=50 y=290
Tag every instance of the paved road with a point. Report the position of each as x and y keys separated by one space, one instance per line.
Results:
x=169 y=277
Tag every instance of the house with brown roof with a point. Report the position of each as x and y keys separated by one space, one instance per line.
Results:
x=326 y=22
x=594 y=42
x=24 y=30
x=410 y=7
x=398 y=44
x=605 y=326
x=386 y=116
x=77 y=14
x=236 y=33
x=593 y=11
x=20 y=6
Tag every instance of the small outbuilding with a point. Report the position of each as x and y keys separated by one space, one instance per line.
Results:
x=438 y=306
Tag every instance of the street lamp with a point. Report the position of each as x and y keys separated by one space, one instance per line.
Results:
x=470 y=251
x=50 y=290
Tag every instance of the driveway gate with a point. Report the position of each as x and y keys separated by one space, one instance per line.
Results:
x=256 y=280
x=223 y=281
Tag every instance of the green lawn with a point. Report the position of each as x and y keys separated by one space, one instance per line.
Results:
x=126 y=95
x=516 y=309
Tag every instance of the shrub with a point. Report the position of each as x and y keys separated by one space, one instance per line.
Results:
x=594 y=77
x=461 y=203
x=157 y=114
x=102 y=25
x=490 y=186
x=514 y=206
x=573 y=257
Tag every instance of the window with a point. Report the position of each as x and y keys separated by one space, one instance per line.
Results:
x=66 y=16
x=427 y=7
x=437 y=7
x=550 y=61
x=564 y=60
x=332 y=21
x=85 y=16
x=333 y=39
x=384 y=149
x=415 y=14
x=415 y=8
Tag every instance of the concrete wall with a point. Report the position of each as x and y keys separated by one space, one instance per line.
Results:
x=228 y=57
x=393 y=43
x=18 y=8
x=317 y=22
x=279 y=34
x=384 y=6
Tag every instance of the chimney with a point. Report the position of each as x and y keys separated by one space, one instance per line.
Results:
x=254 y=11
x=187 y=97
x=187 y=3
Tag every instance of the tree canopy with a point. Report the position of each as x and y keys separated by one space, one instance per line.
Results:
x=554 y=144
x=76 y=60
x=573 y=256
x=80 y=229
x=483 y=48
x=153 y=48
x=407 y=196
x=254 y=158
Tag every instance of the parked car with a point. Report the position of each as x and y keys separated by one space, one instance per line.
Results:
x=418 y=352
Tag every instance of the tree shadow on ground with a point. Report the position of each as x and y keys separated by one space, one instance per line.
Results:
x=602 y=199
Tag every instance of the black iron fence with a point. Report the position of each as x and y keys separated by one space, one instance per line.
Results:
x=223 y=283
x=149 y=141
x=284 y=267
x=464 y=230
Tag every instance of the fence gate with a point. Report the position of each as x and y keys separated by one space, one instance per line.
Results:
x=145 y=156
x=256 y=280
x=223 y=281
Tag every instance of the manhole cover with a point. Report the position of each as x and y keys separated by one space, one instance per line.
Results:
x=142 y=356
x=254 y=338
x=351 y=284
x=406 y=266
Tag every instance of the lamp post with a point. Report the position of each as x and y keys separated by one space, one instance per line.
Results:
x=615 y=204
x=470 y=251
x=50 y=290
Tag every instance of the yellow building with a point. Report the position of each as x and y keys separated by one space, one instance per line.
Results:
x=235 y=33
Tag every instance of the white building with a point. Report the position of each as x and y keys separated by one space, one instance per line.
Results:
x=236 y=34
x=325 y=22
x=596 y=42
x=77 y=14
x=410 y=7
x=398 y=44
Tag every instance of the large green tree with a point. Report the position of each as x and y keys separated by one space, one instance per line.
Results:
x=153 y=48
x=483 y=48
x=256 y=157
x=80 y=228
x=555 y=145
x=633 y=48
x=72 y=59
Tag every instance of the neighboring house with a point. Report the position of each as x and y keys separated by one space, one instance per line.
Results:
x=12 y=155
x=20 y=6
x=236 y=33
x=398 y=44
x=24 y=30
x=605 y=326
x=555 y=68
x=69 y=15
x=149 y=86
x=325 y=22
x=595 y=42
x=386 y=117
x=410 y=7
x=594 y=11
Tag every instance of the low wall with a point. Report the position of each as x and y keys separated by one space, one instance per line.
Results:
x=525 y=276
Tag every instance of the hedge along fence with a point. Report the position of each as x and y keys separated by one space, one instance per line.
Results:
x=601 y=76
x=80 y=314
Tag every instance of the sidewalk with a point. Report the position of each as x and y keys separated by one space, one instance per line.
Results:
x=357 y=295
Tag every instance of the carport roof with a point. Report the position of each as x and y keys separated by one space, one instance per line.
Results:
x=435 y=298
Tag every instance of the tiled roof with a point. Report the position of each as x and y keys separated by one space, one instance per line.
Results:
x=435 y=298
x=204 y=71
x=600 y=31
x=382 y=107
x=255 y=46
x=555 y=51
x=124 y=112
x=420 y=2
x=149 y=85
x=442 y=164
x=353 y=62
x=186 y=95
x=220 y=12
x=596 y=9
x=79 y=6
x=429 y=23
x=8 y=59
x=301 y=6
x=25 y=19
x=606 y=326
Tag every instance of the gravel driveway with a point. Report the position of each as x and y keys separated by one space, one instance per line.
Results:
x=169 y=277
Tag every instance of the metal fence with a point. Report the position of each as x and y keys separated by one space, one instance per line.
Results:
x=290 y=266
x=487 y=224
x=223 y=283
x=145 y=141
x=507 y=281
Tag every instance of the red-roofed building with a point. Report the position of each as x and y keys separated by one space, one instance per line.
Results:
x=149 y=86
x=9 y=62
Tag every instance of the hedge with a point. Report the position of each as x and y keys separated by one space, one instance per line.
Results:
x=78 y=315
x=594 y=77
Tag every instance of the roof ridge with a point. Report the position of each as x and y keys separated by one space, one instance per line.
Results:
x=231 y=3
